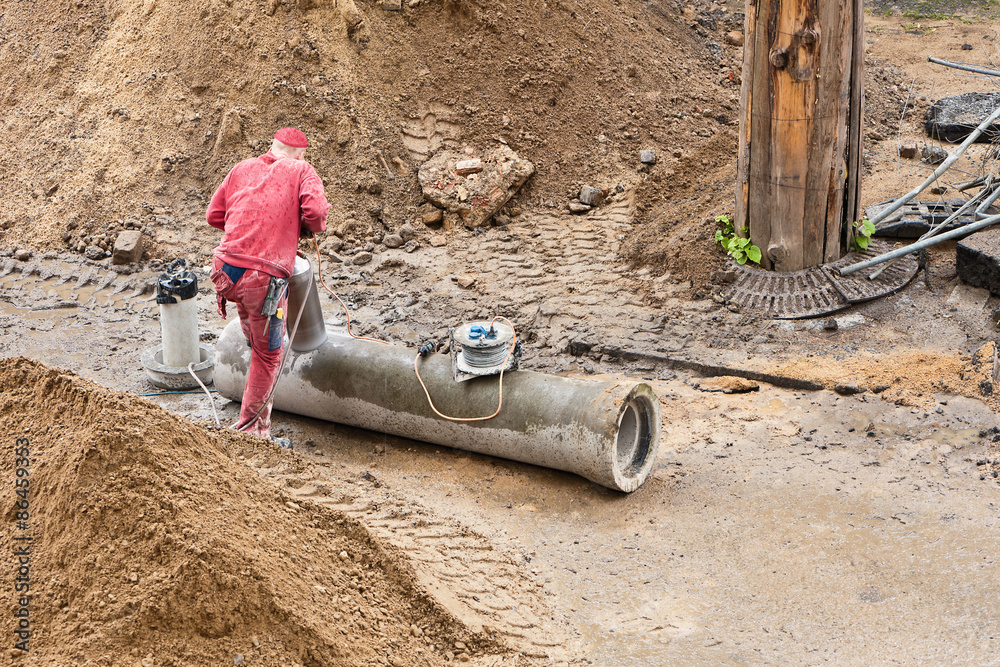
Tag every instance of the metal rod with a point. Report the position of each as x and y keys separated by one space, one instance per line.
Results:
x=952 y=158
x=913 y=247
x=935 y=229
x=981 y=209
x=962 y=66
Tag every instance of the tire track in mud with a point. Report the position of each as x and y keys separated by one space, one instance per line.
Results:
x=52 y=284
x=485 y=588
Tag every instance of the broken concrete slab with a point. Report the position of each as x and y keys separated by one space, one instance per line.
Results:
x=954 y=118
x=591 y=196
x=128 y=247
x=473 y=197
x=977 y=259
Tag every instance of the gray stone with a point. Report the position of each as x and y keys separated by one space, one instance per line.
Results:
x=577 y=208
x=393 y=241
x=128 y=247
x=591 y=196
x=977 y=259
x=848 y=388
x=93 y=252
x=933 y=154
x=407 y=233
x=908 y=150
x=362 y=258
x=22 y=255
x=411 y=246
x=647 y=157
x=392 y=5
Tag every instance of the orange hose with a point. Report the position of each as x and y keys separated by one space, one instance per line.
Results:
x=319 y=272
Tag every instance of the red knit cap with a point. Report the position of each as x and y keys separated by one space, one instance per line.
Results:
x=292 y=137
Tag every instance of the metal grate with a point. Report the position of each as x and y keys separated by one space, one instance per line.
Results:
x=818 y=290
x=916 y=218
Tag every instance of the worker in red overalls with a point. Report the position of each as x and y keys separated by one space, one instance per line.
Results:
x=264 y=205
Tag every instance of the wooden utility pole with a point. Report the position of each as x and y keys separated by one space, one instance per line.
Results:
x=800 y=130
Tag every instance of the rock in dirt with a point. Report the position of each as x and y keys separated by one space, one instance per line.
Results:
x=647 y=156
x=22 y=255
x=407 y=233
x=727 y=384
x=908 y=151
x=362 y=258
x=591 y=196
x=433 y=218
x=734 y=38
x=94 y=253
x=848 y=388
x=977 y=259
x=393 y=240
x=128 y=247
x=933 y=154
x=577 y=208
x=119 y=486
x=475 y=198
x=466 y=280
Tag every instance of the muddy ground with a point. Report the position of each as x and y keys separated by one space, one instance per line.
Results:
x=779 y=526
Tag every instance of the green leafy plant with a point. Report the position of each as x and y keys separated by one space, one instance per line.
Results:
x=863 y=230
x=737 y=247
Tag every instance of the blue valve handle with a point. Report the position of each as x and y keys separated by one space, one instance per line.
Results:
x=477 y=331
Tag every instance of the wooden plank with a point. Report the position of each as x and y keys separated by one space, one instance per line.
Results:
x=741 y=219
x=760 y=194
x=857 y=106
x=794 y=63
x=839 y=102
x=822 y=204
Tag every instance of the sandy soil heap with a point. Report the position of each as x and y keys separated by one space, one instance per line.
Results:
x=149 y=541
x=130 y=112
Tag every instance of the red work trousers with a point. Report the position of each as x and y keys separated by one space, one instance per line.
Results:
x=266 y=337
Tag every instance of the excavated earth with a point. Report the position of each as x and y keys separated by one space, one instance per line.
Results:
x=843 y=511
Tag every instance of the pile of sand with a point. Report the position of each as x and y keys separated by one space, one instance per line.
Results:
x=911 y=377
x=150 y=544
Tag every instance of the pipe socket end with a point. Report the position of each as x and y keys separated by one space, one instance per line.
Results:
x=637 y=439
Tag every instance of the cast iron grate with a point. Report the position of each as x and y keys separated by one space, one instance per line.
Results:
x=818 y=290
x=916 y=218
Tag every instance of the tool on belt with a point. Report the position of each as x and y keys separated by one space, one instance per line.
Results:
x=274 y=291
x=270 y=310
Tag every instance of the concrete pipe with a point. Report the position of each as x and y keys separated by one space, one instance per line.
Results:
x=607 y=431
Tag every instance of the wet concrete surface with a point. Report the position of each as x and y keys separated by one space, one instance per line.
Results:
x=778 y=527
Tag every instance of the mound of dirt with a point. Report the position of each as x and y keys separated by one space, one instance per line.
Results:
x=143 y=541
x=130 y=112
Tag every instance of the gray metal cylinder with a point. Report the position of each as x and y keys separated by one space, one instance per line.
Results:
x=303 y=295
x=605 y=431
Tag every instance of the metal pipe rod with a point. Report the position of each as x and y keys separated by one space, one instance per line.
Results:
x=605 y=431
x=963 y=66
x=913 y=247
x=951 y=159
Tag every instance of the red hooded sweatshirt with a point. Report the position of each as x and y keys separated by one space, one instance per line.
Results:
x=261 y=206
